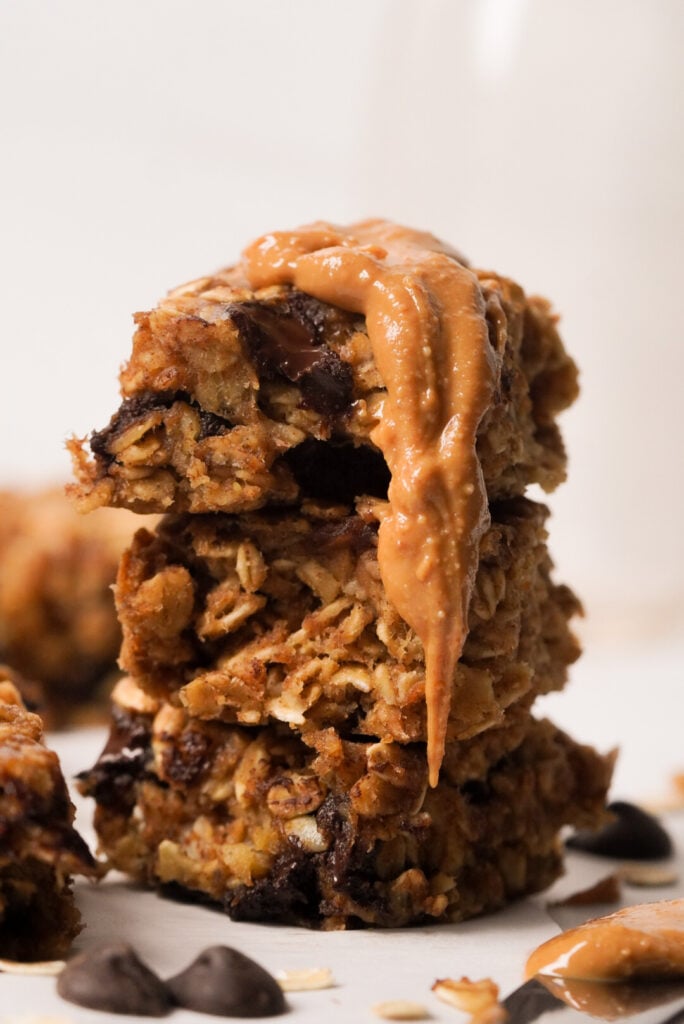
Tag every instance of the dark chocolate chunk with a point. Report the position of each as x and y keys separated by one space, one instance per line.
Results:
x=632 y=835
x=211 y=425
x=338 y=472
x=122 y=762
x=348 y=533
x=283 y=339
x=133 y=409
x=227 y=983
x=186 y=758
x=130 y=410
x=114 y=979
x=288 y=894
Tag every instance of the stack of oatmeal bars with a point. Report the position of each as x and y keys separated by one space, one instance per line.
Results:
x=279 y=745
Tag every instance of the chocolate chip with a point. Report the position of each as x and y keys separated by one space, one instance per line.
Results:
x=130 y=410
x=632 y=835
x=350 y=533
x=122 y=762
x=133 y=409
x=283 y=339
x=114 y=979
x=229 y=984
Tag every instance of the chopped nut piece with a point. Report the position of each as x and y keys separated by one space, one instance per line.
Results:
x=400 y=1009
x=606 y=890
x=49 y=967
x=647 y=875
x=305 y=979
x=473 y=997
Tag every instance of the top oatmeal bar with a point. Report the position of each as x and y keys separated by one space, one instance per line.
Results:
x=234 y=399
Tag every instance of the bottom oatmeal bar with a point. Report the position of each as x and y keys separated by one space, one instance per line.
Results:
x=39 y=847
x=338 y=833
x=283 y=615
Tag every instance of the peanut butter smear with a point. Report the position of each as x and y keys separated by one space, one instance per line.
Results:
x=645 y=941
x=426 y=323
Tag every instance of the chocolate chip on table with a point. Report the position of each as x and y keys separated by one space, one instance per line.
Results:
x=633 y=835
x=114 y=979
x=227 y=983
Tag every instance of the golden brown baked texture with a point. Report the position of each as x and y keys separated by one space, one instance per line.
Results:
x=39 y=847
x=234 y=399
x=281 y=615
x=333 y=832
x=58 y=624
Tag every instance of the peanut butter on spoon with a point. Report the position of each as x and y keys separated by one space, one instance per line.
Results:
x=644 y=941
x=425 y=318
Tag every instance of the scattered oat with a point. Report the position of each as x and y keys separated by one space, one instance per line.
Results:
x=306 y=979
x=400 y=1009
x=606 y=890
x=50 y=967
x=647 y=875
x=473 y=997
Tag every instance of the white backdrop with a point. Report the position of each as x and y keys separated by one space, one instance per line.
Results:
x=145 y=142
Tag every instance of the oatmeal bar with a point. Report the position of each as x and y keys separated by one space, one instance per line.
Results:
x=58 y=624
x=235 y=398
x=324 y=831
x=39 y=847
x=282 y=616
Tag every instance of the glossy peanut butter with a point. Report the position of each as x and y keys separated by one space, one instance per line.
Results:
x=425 y=319
x=645 y=941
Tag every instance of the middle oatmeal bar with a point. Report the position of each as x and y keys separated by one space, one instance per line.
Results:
x=340 y=833
x=282 y=616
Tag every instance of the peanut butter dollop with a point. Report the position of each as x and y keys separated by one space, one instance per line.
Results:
x=425 y=318
x=644 y=941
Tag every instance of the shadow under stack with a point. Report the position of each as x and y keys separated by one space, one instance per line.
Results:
x=335 y=636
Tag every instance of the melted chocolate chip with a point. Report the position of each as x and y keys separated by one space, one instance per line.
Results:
x=632 y=835
x=350 y=533
x=130 y=410
x=211 y=425
x=227 y=983
x=338 y=472
x=122 y=762
x=133 y=409
x=186 y=759
x=285 y=339
x=114 y=979
x=289 y=893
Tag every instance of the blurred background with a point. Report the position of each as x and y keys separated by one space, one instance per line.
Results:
x=145 y=143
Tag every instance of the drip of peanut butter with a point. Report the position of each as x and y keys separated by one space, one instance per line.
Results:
x=644 y=941
x=425 y=318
